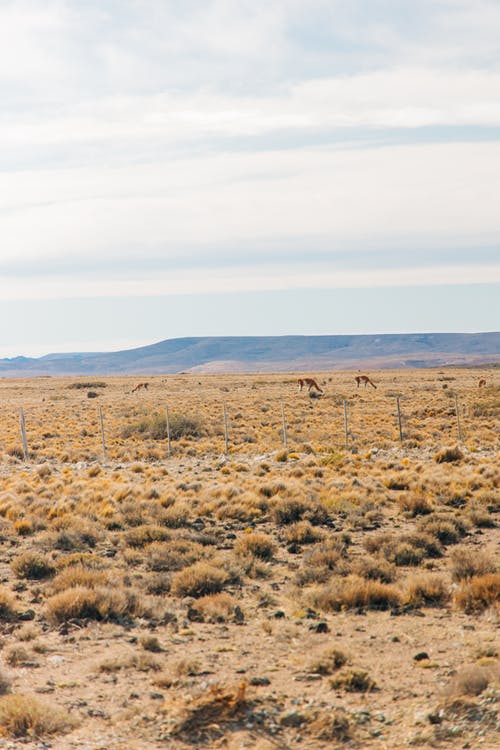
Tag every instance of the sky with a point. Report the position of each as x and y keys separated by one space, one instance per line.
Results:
x=239 y=167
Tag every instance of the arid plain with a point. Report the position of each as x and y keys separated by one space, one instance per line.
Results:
x=311 y=595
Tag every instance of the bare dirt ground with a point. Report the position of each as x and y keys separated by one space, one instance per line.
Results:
x=311 y=596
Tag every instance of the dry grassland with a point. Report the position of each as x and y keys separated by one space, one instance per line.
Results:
x=308 y=597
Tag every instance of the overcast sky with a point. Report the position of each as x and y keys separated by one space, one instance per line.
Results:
x=243 y=166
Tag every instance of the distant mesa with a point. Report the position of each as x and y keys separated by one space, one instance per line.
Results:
x=231 y=354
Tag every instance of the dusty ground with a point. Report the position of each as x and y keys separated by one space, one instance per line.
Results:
x=265 y=599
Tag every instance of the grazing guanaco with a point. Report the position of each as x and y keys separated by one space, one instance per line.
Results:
x=139 y=386
x=482 y=383
x=364 y=379
x=310 y=383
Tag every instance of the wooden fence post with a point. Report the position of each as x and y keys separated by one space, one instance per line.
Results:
x=23 y=435
x=346 y=428
x=457 y=412
x=169 y=444
x=285 y=437
x=101 y=419
x=225 y=428
x=399 y=421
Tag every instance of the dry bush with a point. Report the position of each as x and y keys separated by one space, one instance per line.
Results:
x=449 y=455
x=354 y=592
x=79 y=575
x=140 y=662
x=447 y=528
x=323 y=559
x=375 y=569
x=7 y=604
x=150 y=643
x=478 y=593
x=16 y=656
x=87 y=559
x=353 y=681
x=26 y=716
x=256 y=544
x=408 y=549
x=172 y=555
x=187 y=667
x=33 y=566
x=302 y=532
x=331 y=726
x=81 y=603
x=426 y=590
x=415 y=505
x=5 y=681
x=473 y=680
x=480 y=517
x=328 y=662
x=77 y=537
x=198 y=580
x=142 y=535
x=466 y=563
x=213 y=708
x=290 y=510
x=215 y=607
x=154 y=427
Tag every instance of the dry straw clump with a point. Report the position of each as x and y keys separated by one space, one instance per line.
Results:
x=33 y=566
x=102 y=603
x=354 y=593
x=256 y=544
x=198 y=580
x=478 y=593
x=26 y=716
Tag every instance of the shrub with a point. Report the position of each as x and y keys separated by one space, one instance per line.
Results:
x=290 y=510
x=332 y=725
x=7 y=604
x=258 y=545
x=142 y=535
x=375 y=569
x=199 y=580
x=466 y=563
x=26 y=716
x=478 y=593
x=79 y=575
x=355 y=592
x=472 y=680
x=154 y=427
x=84 y=386
x=32 y=566
x=448 y=529
x=415 y=505
x=449 y=455
x=172 y=555
x=82 y=603
x=328 y=662
x=215 y=607
x=426 y=590
x=353 y=681
x=302 y=532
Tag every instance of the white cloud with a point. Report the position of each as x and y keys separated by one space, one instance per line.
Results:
x=429 y=195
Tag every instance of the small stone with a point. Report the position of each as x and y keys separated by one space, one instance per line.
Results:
x=321 y=627
x=29 y=614
x=279 y=614
x=260 y=681
x=421 y=656
x=292 y=719
x=156 y=696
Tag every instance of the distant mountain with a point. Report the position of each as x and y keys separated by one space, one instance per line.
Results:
x=268 y=354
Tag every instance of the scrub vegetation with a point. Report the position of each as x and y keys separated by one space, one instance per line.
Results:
x=299 y=596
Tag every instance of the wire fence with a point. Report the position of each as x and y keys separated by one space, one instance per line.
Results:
x=157 y=429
